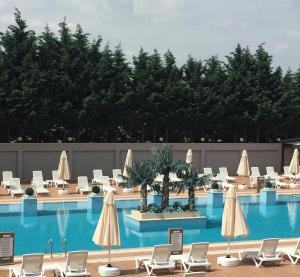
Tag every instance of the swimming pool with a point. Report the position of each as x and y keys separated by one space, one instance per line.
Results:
x=73 y=220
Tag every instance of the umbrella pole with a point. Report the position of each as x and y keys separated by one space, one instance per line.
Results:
x=109 y=264
x=228 y=248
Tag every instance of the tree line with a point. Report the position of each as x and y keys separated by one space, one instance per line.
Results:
x=66 y=87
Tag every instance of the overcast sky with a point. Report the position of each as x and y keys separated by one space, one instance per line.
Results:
x=198 y=27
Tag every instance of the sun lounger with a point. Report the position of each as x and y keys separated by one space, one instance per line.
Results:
x=266 y=253
x=6 y=176
x=39 y=174
x=292 y=252
x=105 y=184
x=270 y=171
x=56 y=181
x=117 y=176
x=15 y=187
x=197 y=257
x=223 y=175
x=83 y=185
x=38 y=185
x=75 y=265
x=97 y=173
x=160 y=259
x=32 y=266
x=255 y=173
x=274 y=177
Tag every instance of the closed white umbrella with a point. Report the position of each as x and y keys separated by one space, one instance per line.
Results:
x=294 y=165
x=107 y=231
x=233 y=221
x=128 y=163
x=63 y=167
x=243 y=169
x=189 y=157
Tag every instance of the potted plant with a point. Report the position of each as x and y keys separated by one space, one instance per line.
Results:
x=29 y=193
x=95 y=190
x=214 y=187
x=268 y=186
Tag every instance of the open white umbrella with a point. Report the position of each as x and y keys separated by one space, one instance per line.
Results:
x=63 y=167
x=107 y=231
x=294 y=165
x=243 y=169
x=189 y=157
x=233 y=221
x=128 y=162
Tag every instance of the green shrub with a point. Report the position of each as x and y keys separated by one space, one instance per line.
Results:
x=215 y=185
x=29 y=191
x=269 y=185
x=96 y=189
x=154 y=209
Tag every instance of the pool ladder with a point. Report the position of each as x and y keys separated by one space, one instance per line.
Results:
x=63 y=246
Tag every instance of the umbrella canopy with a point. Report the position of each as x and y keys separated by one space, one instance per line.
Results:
x=294 y=165
x=63 y=167
x=128 y=162
x=107 y=231
x=233 y=221
x=189 y=156
x=243 y=169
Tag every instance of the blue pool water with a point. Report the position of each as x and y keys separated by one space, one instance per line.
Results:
x=75 y=222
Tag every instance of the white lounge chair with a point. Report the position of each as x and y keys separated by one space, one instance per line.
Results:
x=38 y=185
x=39 y=174
x=56 y=181
x=255 y=173
x=207 y=171
x=173 y=177
x=274 y=177
x=292 y=252
x=287 y=175
x=83 y=185
x=15 y=187
x=194 y=274
x=75 y=265
x=266 y=253
x=32 y=266
x=105 y=184
x=270 y=170
x=97 y=173
x=6 y=176
x=223 y=175
x=117 y=176
x=197 y=257
x=160 y=259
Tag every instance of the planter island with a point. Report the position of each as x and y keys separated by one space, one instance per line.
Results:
x=144 y=222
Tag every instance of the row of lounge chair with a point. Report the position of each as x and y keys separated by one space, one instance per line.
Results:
x=162 y=258
x=33 y=266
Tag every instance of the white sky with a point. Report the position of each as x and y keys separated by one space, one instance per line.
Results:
x=197 y=27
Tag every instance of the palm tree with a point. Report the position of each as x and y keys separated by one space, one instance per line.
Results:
x=163 y=165
x=142 y=173
x=190 y=181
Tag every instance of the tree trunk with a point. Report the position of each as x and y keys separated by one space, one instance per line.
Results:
x=143 y=207
x=191 y=194
x=165 y=192
x=258 y=132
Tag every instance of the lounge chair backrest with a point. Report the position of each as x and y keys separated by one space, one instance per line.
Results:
x=76 y=261
x=268 y=248
x=97 y=173
x=198 y=252
x=32 y=264
x=286 y=170
x=38 y=182
x=104 y=180
x=37 y=173
x=6 y=175
x=297 y=249
x=223 y=171
x=194 y=274
x=54 y=174
x=83 y=181
x=15 y=183
x=116 y=173
x=255 y=171
x=173 y=175
x=270 y=170
x=161 y=254
x=207 y=171
x=274 y=176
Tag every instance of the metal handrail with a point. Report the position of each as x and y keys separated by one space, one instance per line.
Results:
x=63 y=246
x=49 y=243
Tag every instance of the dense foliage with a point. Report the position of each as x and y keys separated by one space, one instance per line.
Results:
x=65 y=87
